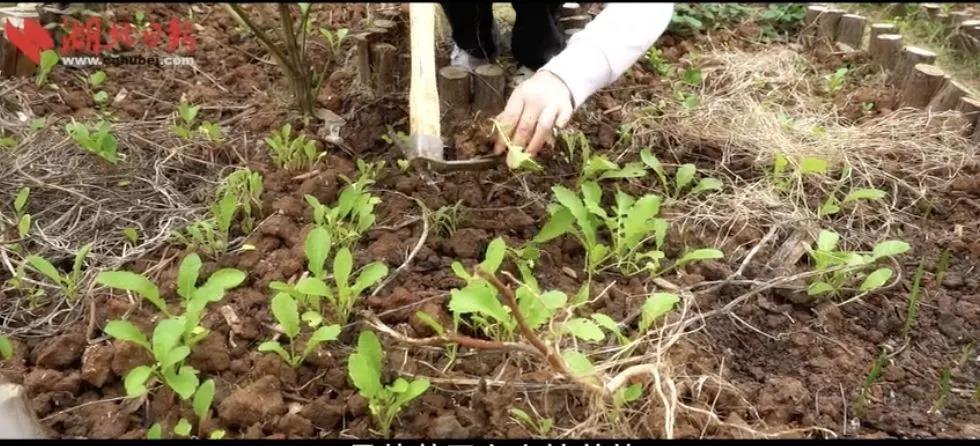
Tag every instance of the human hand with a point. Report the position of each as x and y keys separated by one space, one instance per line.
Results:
x=536 y=106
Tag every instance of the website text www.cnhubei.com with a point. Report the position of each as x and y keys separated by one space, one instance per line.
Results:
x=166 y=61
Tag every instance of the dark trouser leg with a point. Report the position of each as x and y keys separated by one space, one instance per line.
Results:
x=472 y=24
x=536 y=37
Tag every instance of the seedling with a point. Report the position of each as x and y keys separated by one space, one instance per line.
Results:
x=7 y=142
x=912 y=307
x=839 y=267
x=943 y=392
x=97 y=140
x=446 y=219
x=836 y=80
x=517 y=158
x=95 y=80
x=68 y=283
x=334 y=39
x=808 y=165
x=595 y=166
x=657 y=63
x=341 y=294
x=351 y=216
x=385 y=402
x=211 y=131
x=831 y=206
x=541 y=426
x=683 y=177
x=655 y=307
x=186 y=115
x=168 y=353
x=245 y=186
x=876 y=368
x=210 y=236
x=6 y=348
x=291 y=153
x=132 y=235
x=20 y=212
x=942 y=266
x=286 y=312
x=49 y=58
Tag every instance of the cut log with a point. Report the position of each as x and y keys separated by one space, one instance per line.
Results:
x=377 y=35
x=383 y=57
x=488 y=89
x=810 y=20
x=907 y=59
x=921 y=85
x=570 y=9
x=878 y=29
x=885 y=50
x=850 y=30
x=575 y=21
x=390 y=26
x=827 y=25
x=970 y=109
x=454 y=91
x=931 y=10
x=362 y=54
x=948 y=96
x=955 y=18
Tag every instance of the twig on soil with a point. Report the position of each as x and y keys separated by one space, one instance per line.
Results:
x=448 y=338
x=411 y=256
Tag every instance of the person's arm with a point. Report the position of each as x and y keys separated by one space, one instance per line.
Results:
x=608 y=46
x=594 y=57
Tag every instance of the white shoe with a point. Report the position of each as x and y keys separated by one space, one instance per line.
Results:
x=460 y=58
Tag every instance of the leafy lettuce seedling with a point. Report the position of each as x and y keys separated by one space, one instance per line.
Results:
x=540 y=426
x=97 y=140
x=292 y=153
x=841 y=267
x=67 y=282
x=245 y=185
x=683 y=177
x=342 y=294
x=168 y=353
x=20 y=212
x=385 y=402
x=286 y=312
x=186 y=115
x=351 y=216
x=210 y=236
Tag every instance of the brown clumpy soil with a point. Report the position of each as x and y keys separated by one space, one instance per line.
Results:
x=773 y=364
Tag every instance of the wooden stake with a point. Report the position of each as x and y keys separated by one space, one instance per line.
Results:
x=948 y=96
x=488 y=89
x=383 y=57
x=885 y=50
x=362 y=50
x=878 y=29
x=850 y=30
x=454 y=91
x=922 y=83
x=570 y=9
x=827 y=24
x=907 y=59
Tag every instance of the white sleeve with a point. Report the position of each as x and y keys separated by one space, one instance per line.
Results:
x=608 y=46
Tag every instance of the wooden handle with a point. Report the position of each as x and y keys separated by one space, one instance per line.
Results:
x=423 y=99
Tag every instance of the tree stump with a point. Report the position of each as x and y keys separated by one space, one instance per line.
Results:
x=955 y=18
x=570 y=9
x=377 y=35
x=383 y=61
x=970 y=109
x=454 y=91
x=575 y=21
x=810 y=22
x=827 y=25
x=362 y=54
x=850 y=30
x=907 y=59
x=921 y=85
x=488 y=89
x=966 y=37
x=885 y=49
x=878 y=29
x=948 y=96
x=931 y=10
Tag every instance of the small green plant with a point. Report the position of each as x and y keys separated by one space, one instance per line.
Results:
x=168 y=353
x=696 y=17
x=942 y=266
x=657 y=63
x=783 y=173
x=68 y=283
x=341 y=294
x=132 y=235
x=95 y=80
x=540 y=426
x=446 y=219
x=596 y=166
x=139 y=19
x=516 y=158
x=291 y=153
x=20 y=212
x=6 y=348
x=943 y=392
x=831 y=206
x=655 y=307
x=97 y=140
x=334 y=39
x=186 y=115
x=211 y=131
x=912 y=307
x=683 y=177
x=245 y=185
x=385 y=401
x=876 y=368
x=351 y=216
x=840 y=267
x=210 y=236
x=49 y=58
x=836 y=80
x=286 y=312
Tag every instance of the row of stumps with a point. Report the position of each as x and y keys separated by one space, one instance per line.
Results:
x=910 y=69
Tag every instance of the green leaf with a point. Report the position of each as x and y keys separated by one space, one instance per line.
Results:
x=478 y=297
x=187 y=274
x=538 y=309
x=818 y=288
x=21 y=199
x=135 y=380
x=827 y=240
x=80 y=257
x=585 y=329
x=559 y=223
x=46 y=268
x=126 y=331
x=48 y=60
x=692 y=76
x=183 y=383
x=653 y=163
x=427 y=319
x=274 y=347
x=876 y=280
x=578 y=364
x=706 y=184
x=577 y=208
x=364 y=365
x=700 y=254
x=606 y=322
x=864 y=194
x=203 y=398
x=312 y=318
x=182 y=428
x=100 y=97
x=216 y=435
x=226 y=278
x=343 y=263
x=889 y=248
x=314 y=287
x=321 y=335
x=97 y=78
x=24 y=225
x=6 y=348
x=369 y=276
x=684 y=176
x=631 y=393
x=166 y=336
x=813 y=165
x=495 y=255
x=829 y=207
x=155 y=432
x=656 y=306
x=518 y=159
x=414 y=389
x=630 y=170
x=287 y=314
x=317 y=250
x=125 y=280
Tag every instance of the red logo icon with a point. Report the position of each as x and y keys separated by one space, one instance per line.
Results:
x=31 y=40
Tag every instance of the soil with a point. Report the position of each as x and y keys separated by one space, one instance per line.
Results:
x=774 y=365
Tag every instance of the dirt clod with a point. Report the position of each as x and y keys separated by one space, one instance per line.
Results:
x=97 y=364
x=252 y=404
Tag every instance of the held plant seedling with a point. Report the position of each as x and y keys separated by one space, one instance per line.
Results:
x=385 y=401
